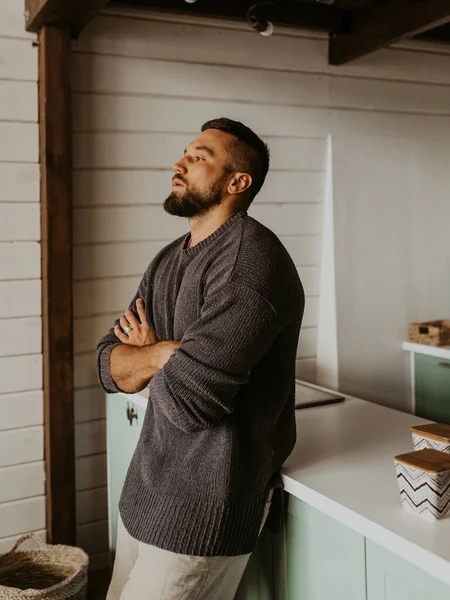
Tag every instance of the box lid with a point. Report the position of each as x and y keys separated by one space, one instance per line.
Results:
x=427 y=459
x=435 y=431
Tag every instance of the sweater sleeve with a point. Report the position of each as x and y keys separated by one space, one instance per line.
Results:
x=107 y=344
x=197 y=385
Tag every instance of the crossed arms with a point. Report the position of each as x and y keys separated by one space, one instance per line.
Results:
x=141 y=355
x=196 y=380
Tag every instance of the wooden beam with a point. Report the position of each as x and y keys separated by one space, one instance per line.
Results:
x=287 y=13
x=55 y=131
x=74 y=13
x=384 y=22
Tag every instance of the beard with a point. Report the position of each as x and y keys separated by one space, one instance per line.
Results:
x=193 y=203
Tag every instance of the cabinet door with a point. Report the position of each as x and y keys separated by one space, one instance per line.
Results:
x=322 y=558
x=122 y=438
x=389 y=577
x=432 y=388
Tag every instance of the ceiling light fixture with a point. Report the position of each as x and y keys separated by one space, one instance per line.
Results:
x=320 y=1
x=263 y=26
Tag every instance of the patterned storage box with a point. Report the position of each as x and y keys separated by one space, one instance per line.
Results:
x=434 y=435
x=424 y=482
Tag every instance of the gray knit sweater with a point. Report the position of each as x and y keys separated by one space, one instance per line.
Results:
x=220 y=418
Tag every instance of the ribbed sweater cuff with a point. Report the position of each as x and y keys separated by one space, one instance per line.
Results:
x=104 y=370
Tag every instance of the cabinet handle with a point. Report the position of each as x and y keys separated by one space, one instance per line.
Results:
x=446 y=365
x=131 y=414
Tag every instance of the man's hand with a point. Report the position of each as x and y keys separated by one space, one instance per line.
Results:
x=141 y=355
x=140 y=333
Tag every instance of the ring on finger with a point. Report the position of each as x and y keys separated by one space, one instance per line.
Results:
x=127 y=328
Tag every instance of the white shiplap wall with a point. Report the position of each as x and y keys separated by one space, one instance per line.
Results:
x=143 y=85
x=22 y=501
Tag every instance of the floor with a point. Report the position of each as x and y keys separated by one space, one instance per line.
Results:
x=98 y=582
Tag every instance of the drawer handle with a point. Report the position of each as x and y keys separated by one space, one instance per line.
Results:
x=131 y=414
x=446 y=365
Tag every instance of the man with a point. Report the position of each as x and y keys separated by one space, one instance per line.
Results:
x=213 y=331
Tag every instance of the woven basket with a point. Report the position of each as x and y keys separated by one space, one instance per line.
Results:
x=50 y=572
x=431 y=333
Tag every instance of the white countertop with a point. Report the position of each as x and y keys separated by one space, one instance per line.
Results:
x=437 y=351
x=343 y=465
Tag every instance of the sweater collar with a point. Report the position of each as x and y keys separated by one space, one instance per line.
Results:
x=214 y=235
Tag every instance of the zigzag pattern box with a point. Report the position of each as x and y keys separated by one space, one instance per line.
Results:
x=424 y=482
x=433 y=435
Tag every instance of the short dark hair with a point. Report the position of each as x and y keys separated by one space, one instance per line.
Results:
x=248 y=153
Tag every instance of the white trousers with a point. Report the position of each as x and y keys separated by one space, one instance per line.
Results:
x=144 y=572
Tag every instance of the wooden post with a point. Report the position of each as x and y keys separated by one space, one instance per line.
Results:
x=55 y=130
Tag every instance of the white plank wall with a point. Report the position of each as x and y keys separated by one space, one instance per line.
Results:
x=143 y=86
x=22 y=500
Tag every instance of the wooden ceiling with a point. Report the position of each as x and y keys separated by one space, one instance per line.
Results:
x=356 y=27
x=346 y=4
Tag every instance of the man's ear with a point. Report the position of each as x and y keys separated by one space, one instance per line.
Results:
x=239 y=183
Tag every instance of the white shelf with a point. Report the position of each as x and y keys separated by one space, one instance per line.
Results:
x=437 y=351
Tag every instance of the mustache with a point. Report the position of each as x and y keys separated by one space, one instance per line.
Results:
x=178 y=178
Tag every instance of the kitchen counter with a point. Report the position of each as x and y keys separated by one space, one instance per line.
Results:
x=343 y=466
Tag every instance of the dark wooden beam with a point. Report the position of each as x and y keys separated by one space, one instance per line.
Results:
x=74 y=13
x=439 y=34
x=384 y=22
x=288 y=13
x=55 y=132
x=351 y=4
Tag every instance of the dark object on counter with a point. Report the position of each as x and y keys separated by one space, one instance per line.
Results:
x=431 y=333
x=307 y=395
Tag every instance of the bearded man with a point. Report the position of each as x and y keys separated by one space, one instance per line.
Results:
x=212 y=331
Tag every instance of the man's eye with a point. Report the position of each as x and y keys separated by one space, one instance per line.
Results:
x=199 y=158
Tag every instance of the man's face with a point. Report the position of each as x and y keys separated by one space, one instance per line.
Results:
x=201 y=176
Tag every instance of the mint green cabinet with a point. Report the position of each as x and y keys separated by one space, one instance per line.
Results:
x=389 y=577
x=319 y=557
x=432 y=388
x=123 y=426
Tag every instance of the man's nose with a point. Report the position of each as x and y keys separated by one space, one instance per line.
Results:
x=180 y=166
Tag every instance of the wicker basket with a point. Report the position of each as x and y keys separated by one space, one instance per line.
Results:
x=50 y=572
x=431 y=333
